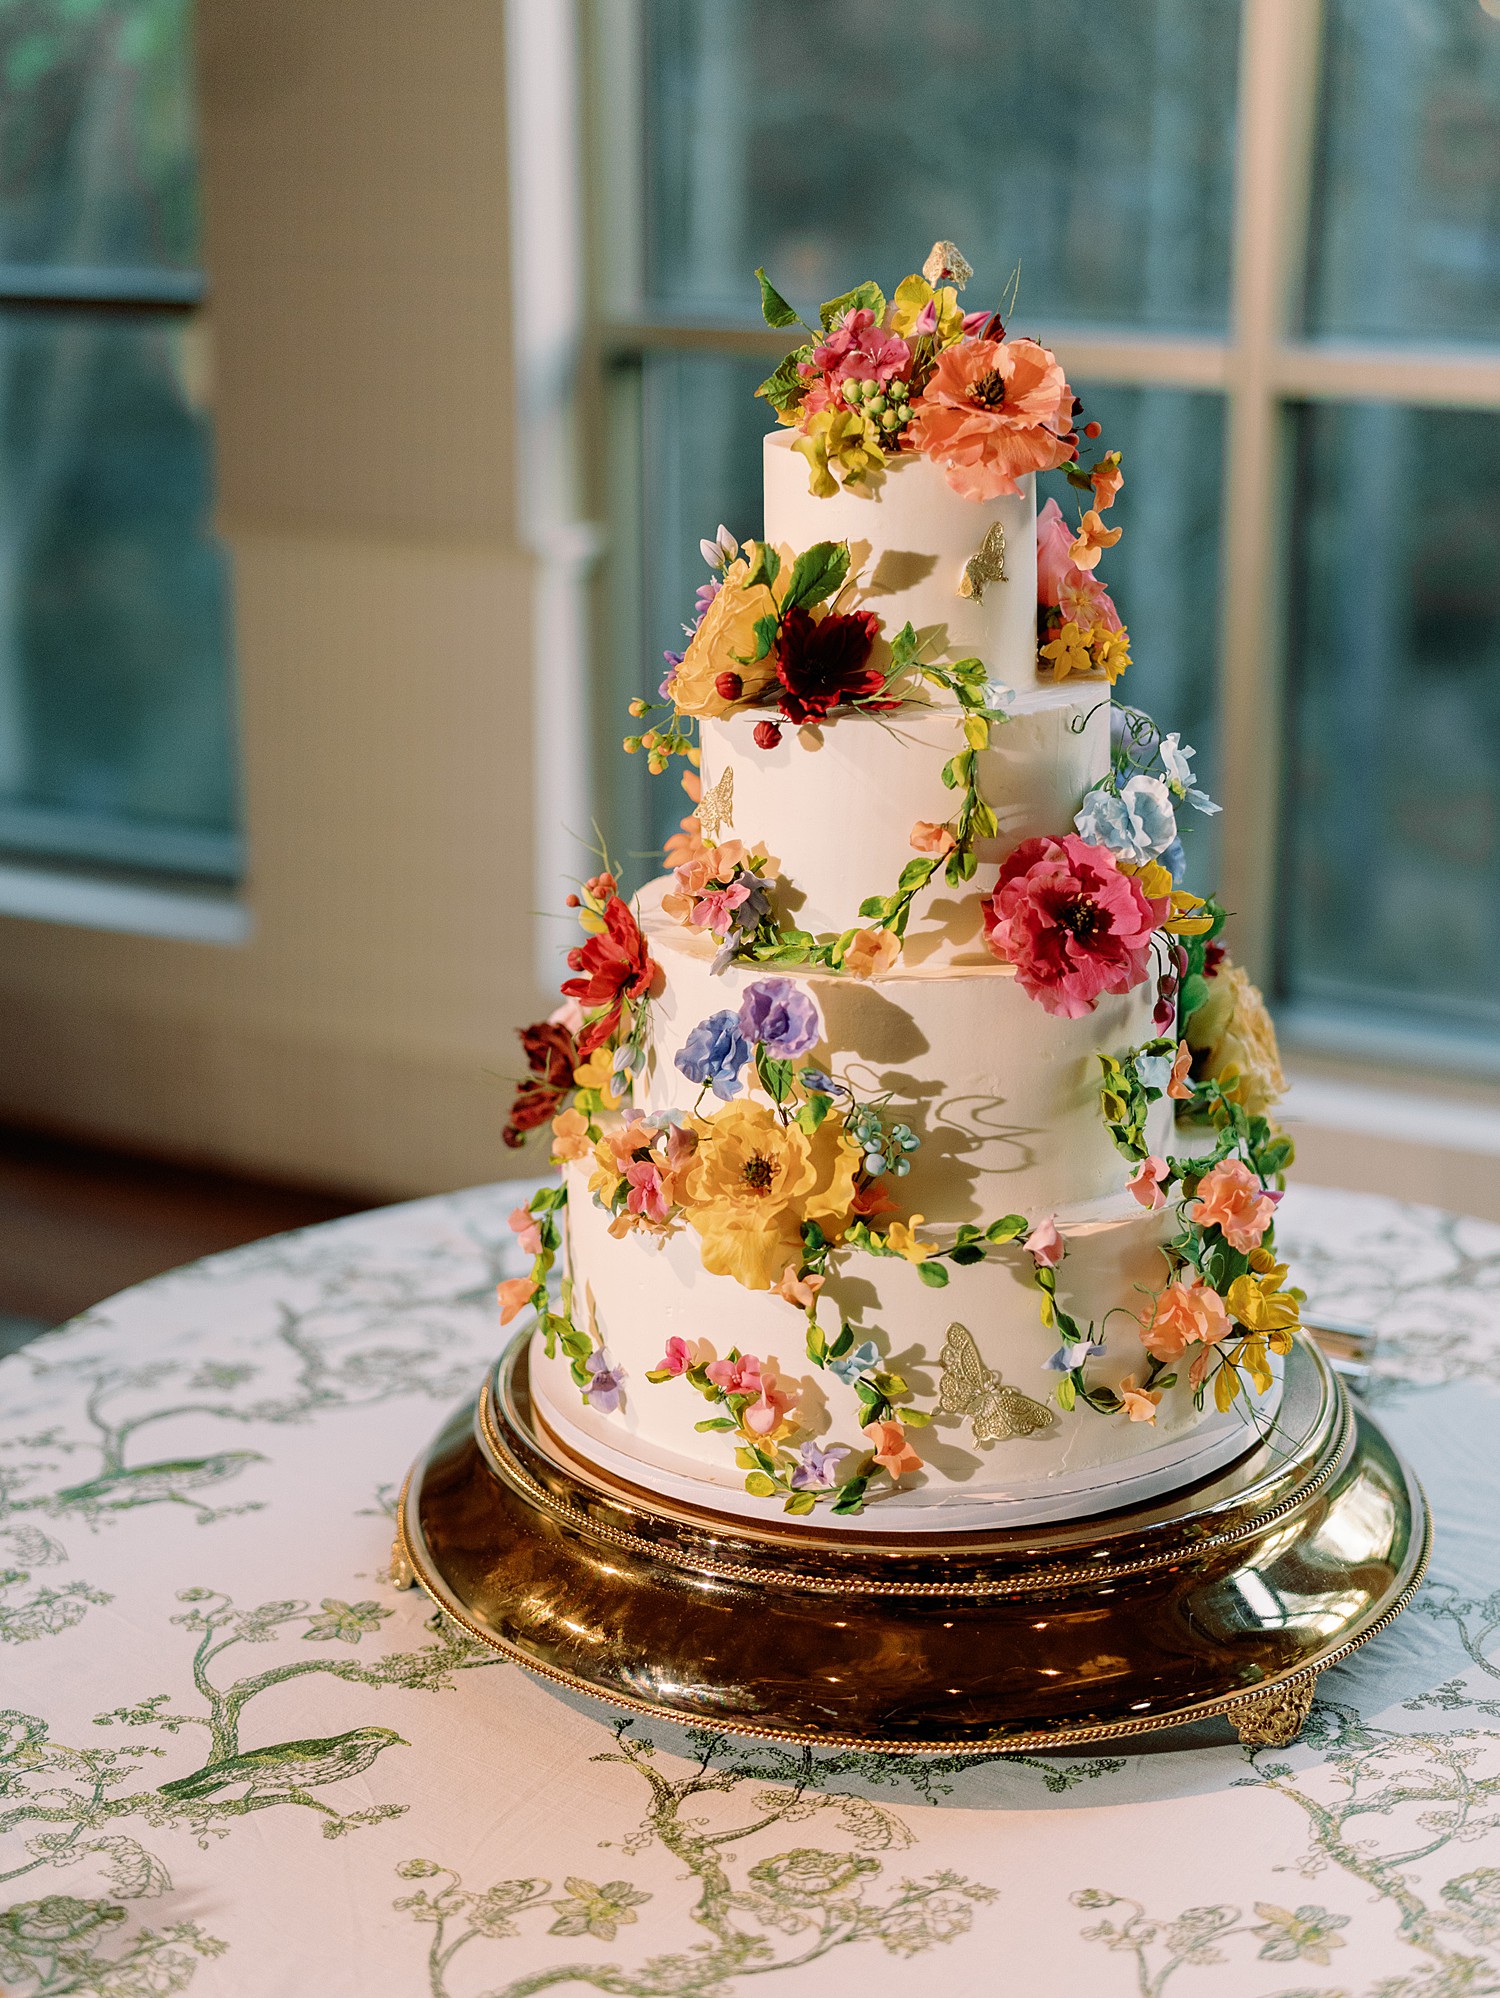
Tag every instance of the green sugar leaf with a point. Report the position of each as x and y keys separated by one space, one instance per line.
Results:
x=775 y=308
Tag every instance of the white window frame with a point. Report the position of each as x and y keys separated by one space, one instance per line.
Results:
x=1262 y=367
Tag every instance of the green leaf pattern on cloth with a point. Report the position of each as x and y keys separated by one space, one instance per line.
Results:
x=233 y=1758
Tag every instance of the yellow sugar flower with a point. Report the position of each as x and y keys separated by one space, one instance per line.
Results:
x=754 y=1182
x=841 y=439
x=597 y=1073
x=725 y=641
x=1069 y=652
x=1260 y=1304
x=1111 y=651
x=913 y=296
x=902 y=1237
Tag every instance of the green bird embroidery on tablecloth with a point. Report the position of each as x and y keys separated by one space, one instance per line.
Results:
x=286 y=1770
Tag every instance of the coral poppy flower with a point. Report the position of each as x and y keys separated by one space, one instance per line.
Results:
x=826 y=664
x=992 y=411
x=615 y=966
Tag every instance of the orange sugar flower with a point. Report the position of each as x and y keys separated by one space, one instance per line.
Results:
x=1180 y=1087
x=1139 y=1403
x=515 y=1294
x=892 y=1451
x=1185 y=1314
x=992 y=411
x=798 y=1290
x=1093 y=538
x=929 y=837
x=1232 y=1199
x=1107 y=478
x=871 y=952
x=570 y=1136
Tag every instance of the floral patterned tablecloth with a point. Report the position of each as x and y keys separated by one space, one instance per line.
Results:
x=233 y=1759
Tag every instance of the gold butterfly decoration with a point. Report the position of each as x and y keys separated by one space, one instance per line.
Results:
x=971 y=1388
x=716 y=807
x=988 y=566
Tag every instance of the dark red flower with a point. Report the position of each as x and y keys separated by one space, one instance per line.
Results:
x=615 y=966
x=825 y=665
x=551 y=1057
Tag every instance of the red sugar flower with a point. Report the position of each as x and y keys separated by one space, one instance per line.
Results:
x=1070 y=922
x=551 y=1056
x=822 y=665
x=615 y=966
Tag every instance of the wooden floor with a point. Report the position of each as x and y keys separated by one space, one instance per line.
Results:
x=78 y=1223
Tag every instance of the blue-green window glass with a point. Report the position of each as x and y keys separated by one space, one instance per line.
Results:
x=1406 y=213
x=116 y=702
x=1392 y=877
x=832 y=140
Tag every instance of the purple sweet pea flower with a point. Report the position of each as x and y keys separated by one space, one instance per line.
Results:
x=715 y=1052
x=603 y=1390
x=818 y=1468
x=778 y=1014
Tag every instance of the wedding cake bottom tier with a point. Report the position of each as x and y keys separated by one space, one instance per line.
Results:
x=997 y=1451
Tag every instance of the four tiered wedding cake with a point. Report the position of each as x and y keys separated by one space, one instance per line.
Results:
x=872 y=1196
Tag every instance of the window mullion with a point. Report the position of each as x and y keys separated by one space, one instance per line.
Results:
x=1280 y=46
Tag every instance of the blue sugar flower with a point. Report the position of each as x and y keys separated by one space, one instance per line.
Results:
x=715 y=1053
x=1136 y=824
x=1177 y=761
x=1066 y=1358
x=603 y=1390
x=858 y=1360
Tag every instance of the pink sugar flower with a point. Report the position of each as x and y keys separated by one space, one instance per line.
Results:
x=1232 y=1199
x=1045 y=1244
x=1185 y=1314
x=860 y=348
x=528 y=1235
x=1145 y=1183
x=770 y=1409
x=714 y=910
x=1054 y=564
x=677 y=1358
x=741 y=1376
x=1071 y=923
x=648 y=1195
x=515 y=1294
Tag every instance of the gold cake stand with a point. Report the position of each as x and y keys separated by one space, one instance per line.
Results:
x=1228 y=1599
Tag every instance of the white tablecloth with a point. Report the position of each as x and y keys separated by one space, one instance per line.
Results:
x=234 y=1759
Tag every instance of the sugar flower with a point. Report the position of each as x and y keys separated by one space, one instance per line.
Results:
x=714 y=1054
x=605 y=1376
x=723 y=548
x=1070 y=922
x=858 y=1360
x=929 y=837
x=568 y=1016
x=817 y=1468
x=776 y=1014
x=1053 y=561
x=857 y=349
x=527 y=1234
x=824 y=663
x=1045 y=1244
x=892 y=1451
x=799 y=1290
x=1232 y=1199
x=714 y=908
x=1145 y=1183
x=570 y=1136
x=1186 y=1313
x=551 y=1053
x=1177 y=761
x=1139 y=1403
x=1106 y=478
x=679 y=1356
x=724 y=642
x=737 y=1374
x=1066 y=1358
x=1136 y=824
x=614 y=966
x=1234 y=1031
x=755 y=1181
x=1091 y=541
x=992 y=411
x=902 y=1237
x=770 y=1408
x=515 y=1294
x=1180 y=1088
x=871 y=952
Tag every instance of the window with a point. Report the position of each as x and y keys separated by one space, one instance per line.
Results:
x=1264 y=237
x=116 y=722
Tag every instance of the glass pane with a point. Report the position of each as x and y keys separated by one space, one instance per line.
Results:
x=1406 y=237
x=702 y=465
x=115 y=702
x=97 y=162
x=1393 y=831
x=833 y=140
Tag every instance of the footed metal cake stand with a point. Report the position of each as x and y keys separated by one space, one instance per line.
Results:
x=1227 y=1599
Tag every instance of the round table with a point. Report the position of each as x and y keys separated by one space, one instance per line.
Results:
x=234 y=1759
